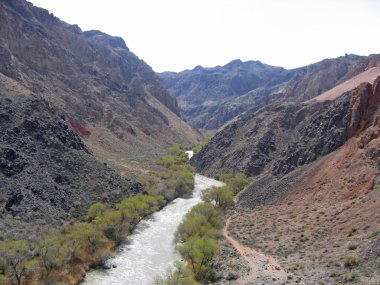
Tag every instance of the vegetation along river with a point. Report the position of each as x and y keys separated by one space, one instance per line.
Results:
x=150 y=249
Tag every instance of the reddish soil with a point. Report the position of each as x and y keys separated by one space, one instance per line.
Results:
x=332 y=214
x=262 y=267
x=79 y=128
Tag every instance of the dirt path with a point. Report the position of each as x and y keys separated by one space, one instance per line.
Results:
x=264 y=268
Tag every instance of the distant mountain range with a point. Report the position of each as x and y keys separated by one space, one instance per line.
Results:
x=209 y=97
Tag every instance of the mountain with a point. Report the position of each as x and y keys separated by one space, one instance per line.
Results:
x=72 y=104
x=209 y=97
x=92 y=78
x=47 y=174
x=314 y=168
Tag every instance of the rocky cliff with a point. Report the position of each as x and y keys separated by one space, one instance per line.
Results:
x=313 y=197
x=209 y=97
x=67 y=99
x=91 y=77
x=281 y=137
x=47 y=174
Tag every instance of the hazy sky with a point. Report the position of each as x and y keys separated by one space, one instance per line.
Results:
x=180 y=34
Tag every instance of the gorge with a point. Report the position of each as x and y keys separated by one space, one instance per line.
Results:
x=92 y=141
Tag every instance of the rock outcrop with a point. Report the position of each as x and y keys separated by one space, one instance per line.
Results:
x=313 y=199
x=67 y=99
x=92 y=78
x=47 y=174
x=282 y=137
x=209 y=97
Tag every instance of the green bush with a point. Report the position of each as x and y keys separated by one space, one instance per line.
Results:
x=181 y=275
x=15 y=257
x=199 y=252
x=201 y=221
x=219 y=197
x=235 y=182
x=96 y=209
x=179 y=175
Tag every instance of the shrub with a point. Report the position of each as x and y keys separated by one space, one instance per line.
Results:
x=199 y=252
x=347 y=277
x=235 y=182
x=181 y=275
x=96 y=210
x=110 y=225
x=220 y=197
x=201 y=221
x=352 y=247
x=352 y=232
x=14 y=259
x=333 y=274
x=350 y=261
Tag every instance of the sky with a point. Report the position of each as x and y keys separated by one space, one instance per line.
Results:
x=174 y=35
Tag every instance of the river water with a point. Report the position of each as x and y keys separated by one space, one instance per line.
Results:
x=150 y=249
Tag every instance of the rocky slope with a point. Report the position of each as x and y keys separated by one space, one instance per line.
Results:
x=47 y=174
x=201 y=91
x=313 y=201
x=209 y=97
x=92 y=78
x=68 y=99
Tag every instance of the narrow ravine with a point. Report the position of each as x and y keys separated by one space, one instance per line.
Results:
x=150 y=249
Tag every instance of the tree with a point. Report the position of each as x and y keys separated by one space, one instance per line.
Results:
x=198 y=252
x=220 y=197
x=96 y=210
x=189 y=227
x=110 y=225
x=179 y=153
x=201 y=221
x=236 y=183
x=14 y=257
x=179 y=276
x=90 y=237
x=48 y=252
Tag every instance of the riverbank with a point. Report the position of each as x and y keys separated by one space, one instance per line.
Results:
x=67 y=253
x=200 y=234
x=150 y=249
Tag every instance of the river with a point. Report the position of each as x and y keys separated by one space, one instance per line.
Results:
x=150 y=249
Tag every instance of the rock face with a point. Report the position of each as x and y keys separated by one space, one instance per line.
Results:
x=92 y=78
x=314 y=171
x=47 y=174
x=282 y=137
x=66 y=97
x=209 y=97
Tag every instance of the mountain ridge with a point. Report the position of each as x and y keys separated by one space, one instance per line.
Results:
x=314 y=171
x=208 y=107
x=73 y=105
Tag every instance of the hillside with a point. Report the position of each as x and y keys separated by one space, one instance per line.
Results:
x=73 y=104
x=313 y=201
x=209 y=97
x=47 y=174
x=202 y=93
x=93 y=79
